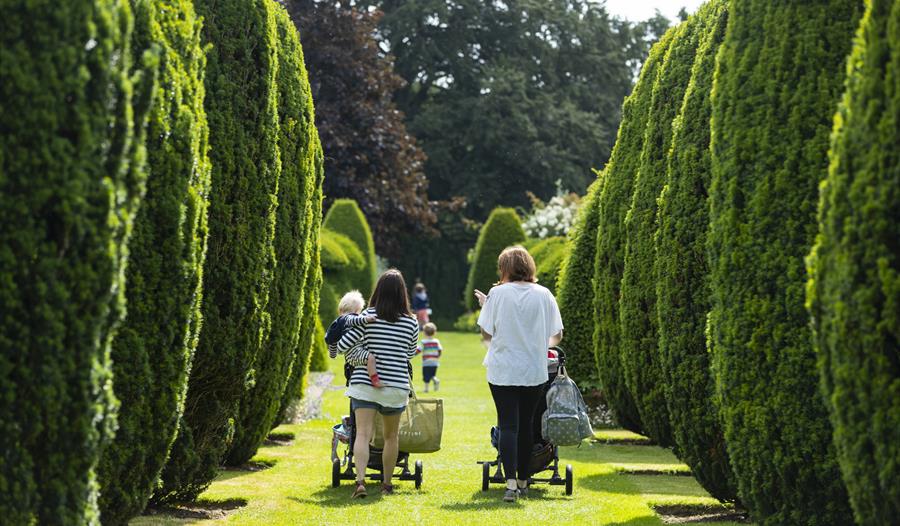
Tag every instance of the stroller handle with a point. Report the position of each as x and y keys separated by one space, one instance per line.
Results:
x=560 y=353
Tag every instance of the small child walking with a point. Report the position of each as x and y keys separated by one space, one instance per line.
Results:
x=430 y=349
x=350 y=315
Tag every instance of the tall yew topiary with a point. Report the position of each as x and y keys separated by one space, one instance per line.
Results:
x=152 y=351
x=297 y=145
x=345 y=217
x=854 y=287
x=773 y=103
x=241 y=105
x=616 y=190
x=502 y=229
x=71 y=178
x=548 y=257
x=682 y=276
x=575 y=290
x=637 y=304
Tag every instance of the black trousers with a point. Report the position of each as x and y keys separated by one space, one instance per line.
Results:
x=515 y=418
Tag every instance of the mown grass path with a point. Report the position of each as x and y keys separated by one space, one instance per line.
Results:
x=297 y=489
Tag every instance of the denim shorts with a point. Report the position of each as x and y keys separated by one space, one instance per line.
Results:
x=356 y=403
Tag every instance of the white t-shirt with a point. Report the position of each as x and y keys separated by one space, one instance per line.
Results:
x=521 y=318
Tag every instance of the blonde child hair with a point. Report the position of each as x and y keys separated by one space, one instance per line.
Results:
x=429 y=329
x=351 y=302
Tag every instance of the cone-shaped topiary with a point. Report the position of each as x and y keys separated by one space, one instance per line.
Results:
x=773 y=103
x=682 y=288
x=71 y=178
x=575 y=290
x=502 y=229
x=318 y=360
x=639 y=352
x=617 y=188
x=152 y=350
x=297 y=145
x=854 y=288
x=345 y=217
x=548 y=257
x=241 y=106
x=313 y=283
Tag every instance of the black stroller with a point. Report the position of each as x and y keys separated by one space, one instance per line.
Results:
x=545 y=455
x=342 y=464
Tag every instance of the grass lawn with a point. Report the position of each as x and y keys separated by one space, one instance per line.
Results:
x=297 y=489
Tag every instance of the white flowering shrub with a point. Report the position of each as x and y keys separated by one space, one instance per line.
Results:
x=553 y=218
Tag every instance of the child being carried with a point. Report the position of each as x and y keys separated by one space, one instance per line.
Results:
x=350 y=315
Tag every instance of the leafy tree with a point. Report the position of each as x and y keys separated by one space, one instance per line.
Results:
x=371 y=156
x=575 y=289
x=242 y=109
x=773 y=104
x=345 y=217
x=298 y=148
x=617 y=187
x=682 y=276
x=854 y=271
x=71 y=179
x=502 y=229
x=152 y=351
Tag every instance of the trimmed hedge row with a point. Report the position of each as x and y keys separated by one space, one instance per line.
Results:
x=638 y=352
x=682 y=282
x=345 y=217
x=152 y=352
x=297 y=146
x=548 y=257
x=73 y=116
x=854 y=269
x=502 y=229
x=772 y=113
x=243 y=116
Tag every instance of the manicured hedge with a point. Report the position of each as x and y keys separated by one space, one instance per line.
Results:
x=345 y=217
x=297 y=145
x=152 y=351
x=241 y=105
x=616 y=190
x=548 y=256
x=502 y=229
x=854 y=268
x=71 y=179
x=575 y=290
x=773 y=104
x=639 y=352
x=318 y=360
x=682 y=276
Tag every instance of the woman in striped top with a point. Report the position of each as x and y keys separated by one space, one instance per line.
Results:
x=393 y=339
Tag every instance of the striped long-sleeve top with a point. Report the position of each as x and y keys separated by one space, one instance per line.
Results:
x=341 y=325
x=393 y=345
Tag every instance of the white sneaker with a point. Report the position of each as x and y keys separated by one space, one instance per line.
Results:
x=437 y=384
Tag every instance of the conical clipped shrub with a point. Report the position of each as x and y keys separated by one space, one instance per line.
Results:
x=773 y=103
x=345 y=217
x=152 y=351
x=616 y=190
x=71 y=178
x=575 y=290
x=682 y=276
x=241 y=106
x=502 y=229
x=313 y=282
x=548 y=257
x=318 y=360
x=342 y=263
x=297 y=145
x=639 y=352
x=854 y=287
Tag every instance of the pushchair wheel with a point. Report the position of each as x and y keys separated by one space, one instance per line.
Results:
x=418 y=474
x=569 y=478
x=336 y=473
x=485 y=476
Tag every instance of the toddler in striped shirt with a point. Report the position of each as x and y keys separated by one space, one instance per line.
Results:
x=430 y=349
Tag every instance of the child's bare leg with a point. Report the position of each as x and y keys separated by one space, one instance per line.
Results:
x=373 y=372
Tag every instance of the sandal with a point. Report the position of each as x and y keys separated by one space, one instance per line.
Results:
x=376 y=381
x=360 y=491
x=387 y=489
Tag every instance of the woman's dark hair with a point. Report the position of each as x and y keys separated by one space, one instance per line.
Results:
x=390 y=298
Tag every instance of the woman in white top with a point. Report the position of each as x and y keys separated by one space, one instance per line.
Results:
x=519 y=318
x=393 y=339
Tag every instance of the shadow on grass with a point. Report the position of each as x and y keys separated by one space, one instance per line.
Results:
x=493 y=499
x=338 y=497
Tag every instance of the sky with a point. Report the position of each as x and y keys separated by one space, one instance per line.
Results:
x=637 y=10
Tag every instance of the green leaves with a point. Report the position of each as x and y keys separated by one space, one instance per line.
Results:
x=502 y=229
